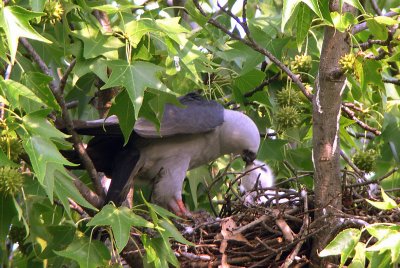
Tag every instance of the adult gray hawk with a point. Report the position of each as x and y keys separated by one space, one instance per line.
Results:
x=189 y=136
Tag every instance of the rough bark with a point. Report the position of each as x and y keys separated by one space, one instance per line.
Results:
x=326 y=114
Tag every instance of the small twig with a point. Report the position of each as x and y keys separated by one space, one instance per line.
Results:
x=351 y=164
x=287 y=232
x=72 y=104
x=366 y=135
x=370 y=43
x=257 y=89
x=376 y=8
x=64 y=78
x=373 y=181
x=251 y=224
x=352 y=116
x=73 y=205
x=193 y=257
x=303 y=232
x=391 y=81
x=103 y=19
x=7 y=73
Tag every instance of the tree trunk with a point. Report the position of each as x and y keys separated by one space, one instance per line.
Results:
x=327 y=101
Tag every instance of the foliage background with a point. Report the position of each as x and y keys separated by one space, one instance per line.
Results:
x=59 y=55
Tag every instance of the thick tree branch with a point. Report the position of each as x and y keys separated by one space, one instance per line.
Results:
x=57 y=91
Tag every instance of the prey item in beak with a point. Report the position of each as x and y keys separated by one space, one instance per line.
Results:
x=248 y=157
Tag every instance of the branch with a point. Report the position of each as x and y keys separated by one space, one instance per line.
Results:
x=260 y=87
x=370 y=43
x=363 y=25
x=351 y=164
x=250 y=42
x=352 y=116
x=103 y=19
x=373 y=181
x=376 y=8
x=58 y=94
x=391 y=81
x=302 y=234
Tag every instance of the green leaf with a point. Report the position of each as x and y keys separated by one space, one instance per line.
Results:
x=371 y=74
x=162 y=211
x=378 y=30
x=42 y=151
x=391 y=242
x=65 y=188
x=387 y=204
x=124 y=110
x=195 y=13
x=356 y=4
x=195 y=178
x=14 y=92
x=95 y=43
x=15 y=22
x=303 y=24
x=381 y=230
x=136 y=29
x=38 y=83
x=159 y=252
x=249 y=80
x=342 y=244
x=87 y=253
x=112 y=9
x=120 y=220
x=321 y=8
x=172 y=232
x=386 y=20
x=344 y=21
x=37 y=124
x=272 y=149
x=156 y=252
x=98 y=66
x=378 y=260
x=60 y=237
x=135 y=77
x=288 y=8
x=7 y=213
x=359 y=256
x=5 y=161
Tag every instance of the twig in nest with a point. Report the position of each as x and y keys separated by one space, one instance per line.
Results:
x=287 y=232
x=303 y=232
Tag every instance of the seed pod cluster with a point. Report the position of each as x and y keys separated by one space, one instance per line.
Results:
x=288 y=114
x=13 y=145
x=347 y=62
x=365 y=160
x=53 y=10
x=11 y=180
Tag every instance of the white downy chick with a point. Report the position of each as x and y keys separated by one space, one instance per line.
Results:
x=259 y=172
